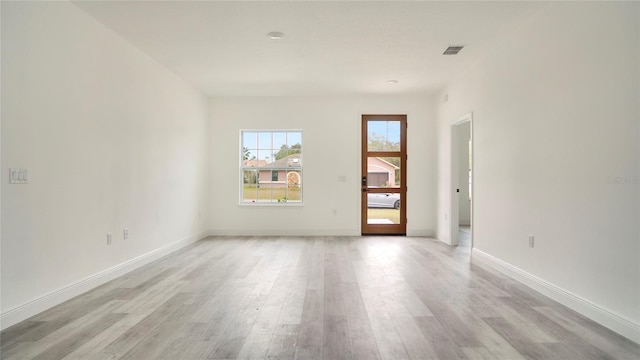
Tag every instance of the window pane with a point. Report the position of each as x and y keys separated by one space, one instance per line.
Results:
x=265 y=157
x=383 y=172
x=294 y=178
x=294 y=138
x=264 y=140
x=294 y=186
x=378 y=214
x=250 y=140
x=249 y=157
x=250 y=185
x=383 y=135
x=295 y=149
x=279 y=139
x=281 y=153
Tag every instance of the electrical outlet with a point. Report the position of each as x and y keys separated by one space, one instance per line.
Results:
x=125 y=234
x=109 y=237
x=19 y=176
x=530 y=241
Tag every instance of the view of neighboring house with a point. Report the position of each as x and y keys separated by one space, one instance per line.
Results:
x=381 y=173
x=280 y=173
x=254 y=163
x=286 y=171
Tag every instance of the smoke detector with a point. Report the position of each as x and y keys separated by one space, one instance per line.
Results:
x=275 y=35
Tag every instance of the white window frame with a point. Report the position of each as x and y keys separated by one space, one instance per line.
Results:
x=299 y=169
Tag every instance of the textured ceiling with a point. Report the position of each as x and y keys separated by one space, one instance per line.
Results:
x=329 y=48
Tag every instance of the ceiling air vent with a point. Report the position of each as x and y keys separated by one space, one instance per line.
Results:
x=453 y=50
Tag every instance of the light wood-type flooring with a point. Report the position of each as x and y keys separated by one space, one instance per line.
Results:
x=313 y=298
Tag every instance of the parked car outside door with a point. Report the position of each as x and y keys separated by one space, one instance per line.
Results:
x=383 y=200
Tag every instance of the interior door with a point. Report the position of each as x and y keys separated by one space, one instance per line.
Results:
x=383 y=178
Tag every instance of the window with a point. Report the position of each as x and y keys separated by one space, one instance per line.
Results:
x=271 y=167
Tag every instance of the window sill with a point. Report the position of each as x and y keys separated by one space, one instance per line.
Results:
x=272 y=204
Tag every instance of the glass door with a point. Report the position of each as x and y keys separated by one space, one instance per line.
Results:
x=383 y=178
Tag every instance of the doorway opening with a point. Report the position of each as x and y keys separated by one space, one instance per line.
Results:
x=384 y=174
x=461 y=232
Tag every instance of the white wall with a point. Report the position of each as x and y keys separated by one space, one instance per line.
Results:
x=111 y=140
x=556 y=116
x=331 y=149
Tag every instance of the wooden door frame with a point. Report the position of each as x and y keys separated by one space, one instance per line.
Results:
x=380 y=229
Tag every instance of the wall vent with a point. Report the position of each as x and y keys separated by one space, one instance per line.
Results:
x=453 y=50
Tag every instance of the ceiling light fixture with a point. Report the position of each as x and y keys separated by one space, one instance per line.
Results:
x=275 y=35
x=392 y=82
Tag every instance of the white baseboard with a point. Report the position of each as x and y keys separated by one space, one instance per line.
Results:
x=34 y=307
x=283 y=232
x=623 y=326
x=316 y=232
x=444 y=239
x=421 y=233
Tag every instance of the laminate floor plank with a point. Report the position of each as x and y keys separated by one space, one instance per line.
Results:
x=441 y=342
x=24 y=333
x=77 y=307
x=103 y=356
x=225 y=310
x=533 y=330
x=141 y=330
x=283 y=342
x=335 y=338
x=156 y=342
x=450 y=321
x=260 y=335
x=293 y=305
x=97 y=343
x=495 y=344
x=520 y=339
x=185 y=343
x=611 y=344
x=292 y=308
x=389 y=342
x=230 y=342
x=78 y=338
x=311 y=331
x=65 y=330
x=272 y=297
x=415 y=343
x=361 y=337
x=223 y=303
x=582 y=347
x=480 y=353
